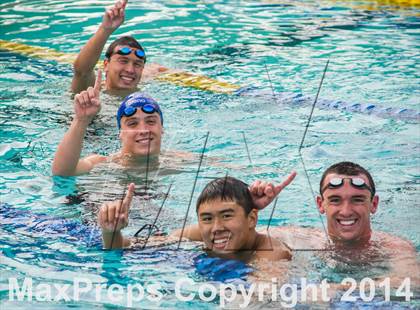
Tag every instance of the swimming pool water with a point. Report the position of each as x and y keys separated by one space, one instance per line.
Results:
x=374 y=59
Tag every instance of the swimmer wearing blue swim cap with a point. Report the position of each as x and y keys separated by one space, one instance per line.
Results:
x=138 y=100
x=140 y=124
x=140 y=121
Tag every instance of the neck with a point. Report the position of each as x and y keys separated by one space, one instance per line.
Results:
x=360 y=243
x=127 y=159
x=121 y=92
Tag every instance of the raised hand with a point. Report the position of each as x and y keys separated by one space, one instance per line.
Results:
x=263 y=193
x=114 y=215
x=87 y=103
x=114 y=15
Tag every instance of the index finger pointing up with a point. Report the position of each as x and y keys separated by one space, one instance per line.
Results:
x=128 y=197
x=98 y=81
x=286 y=182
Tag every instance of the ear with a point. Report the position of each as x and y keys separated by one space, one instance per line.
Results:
x=253 y=218
x=319 y=204
x=375 y=203
x=106 y=62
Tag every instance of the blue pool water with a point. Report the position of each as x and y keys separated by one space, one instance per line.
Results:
x=374 y=59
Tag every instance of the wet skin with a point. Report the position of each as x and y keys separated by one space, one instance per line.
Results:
x=141 y=133
x=123 y=71
x=225 y=228
x=348 y=210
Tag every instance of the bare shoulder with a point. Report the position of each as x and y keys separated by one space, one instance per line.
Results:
x=87 y=163
x=296 y=237
x=153 y=70
x=272 y=249
x=392 y=242
x=180 y=155
x=95 y=159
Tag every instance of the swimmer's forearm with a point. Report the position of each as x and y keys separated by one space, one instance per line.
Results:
x=90 y=53
x=86 y=60
x=68 y=152
x=119 y=241
x=191 y=232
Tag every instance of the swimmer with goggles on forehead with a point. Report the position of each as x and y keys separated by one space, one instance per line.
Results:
x=138 y=100
x=356 y=182
x=124 y=51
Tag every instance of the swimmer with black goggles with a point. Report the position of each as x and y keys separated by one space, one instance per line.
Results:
x=356 y=182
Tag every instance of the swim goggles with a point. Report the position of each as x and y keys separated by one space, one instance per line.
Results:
x=355 y=182
x=148 y=108
x=138 y=100
x=127 y=51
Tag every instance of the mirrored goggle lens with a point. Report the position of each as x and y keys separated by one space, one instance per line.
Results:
x=140 y=54
x=124 y=51
x=127 y=51
x=128 y=111
x=335 y=182
x=359 y=182
x=149 y=108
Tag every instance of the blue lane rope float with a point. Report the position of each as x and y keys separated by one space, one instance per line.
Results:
x=71 y=230
x=328 y=104
x=187 y=79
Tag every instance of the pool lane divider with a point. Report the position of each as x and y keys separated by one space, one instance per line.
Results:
x=201 y=82
x=185 y=79
x=373 y=5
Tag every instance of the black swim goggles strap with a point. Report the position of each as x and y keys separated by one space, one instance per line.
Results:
x=127 y=51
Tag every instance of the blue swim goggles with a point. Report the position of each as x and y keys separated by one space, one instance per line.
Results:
x=148 y=108
x=127 y=51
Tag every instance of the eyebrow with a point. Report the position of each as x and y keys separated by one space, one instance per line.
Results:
x=138 y=60
x=153 y=116
x=332 y=196
x=220 y=212
x=353 y=196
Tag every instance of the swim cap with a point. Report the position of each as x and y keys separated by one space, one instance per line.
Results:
x=138 y=100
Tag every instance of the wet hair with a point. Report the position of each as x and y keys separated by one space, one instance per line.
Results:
x=227 y=189
x=350 y=169
x=125 y=40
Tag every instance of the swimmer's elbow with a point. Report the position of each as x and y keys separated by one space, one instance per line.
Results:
x=82 y=79
x=59 y=169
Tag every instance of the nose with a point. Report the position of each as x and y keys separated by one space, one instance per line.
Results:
x=217 y=226
x=129 y=67
x=346 y=208
x=143 y=130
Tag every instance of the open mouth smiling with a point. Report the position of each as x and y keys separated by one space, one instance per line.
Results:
x=144 y=141
x=347 y=222
x=221 y=242
x=127 y=79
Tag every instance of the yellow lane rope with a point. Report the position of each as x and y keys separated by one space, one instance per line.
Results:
x=179 y=78
x=199 y=81
x=37 y=51
x=380 y=4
